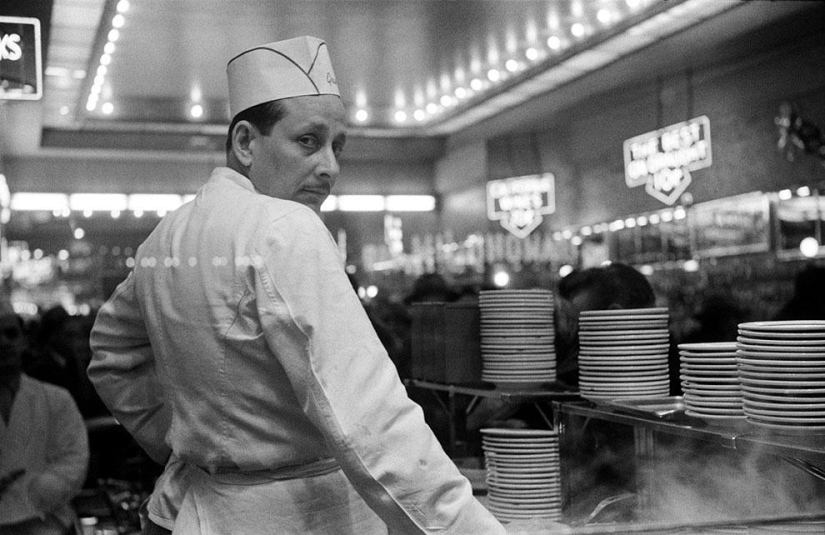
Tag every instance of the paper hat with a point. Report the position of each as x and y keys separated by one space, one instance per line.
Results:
x=292 y=68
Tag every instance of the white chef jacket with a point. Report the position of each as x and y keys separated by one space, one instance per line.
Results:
x=46 y=437
x=238 y=343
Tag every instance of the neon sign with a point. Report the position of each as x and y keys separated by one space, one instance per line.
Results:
x=21 y=75
x=518 y=203
x=663 y=160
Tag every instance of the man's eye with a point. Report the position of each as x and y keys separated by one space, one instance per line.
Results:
x=309 y=141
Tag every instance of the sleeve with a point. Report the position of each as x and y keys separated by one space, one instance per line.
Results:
x=67 y=455
x=123 y=371
x=350 y=389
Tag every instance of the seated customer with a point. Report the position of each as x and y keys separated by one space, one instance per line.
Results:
x=44 y=449
x=608 y=287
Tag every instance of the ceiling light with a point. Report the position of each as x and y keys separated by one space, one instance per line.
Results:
x=460 y=92
x=604 y=16
x=79 y=233
x=809 y=247
x=64 y=110
x=476 y=84
x=577 y=29
x=109 y=47
x=361 y=115
x=493 y=75
x=108 y=108
x=446 y=100
x=511 y=65
x=410 y=203
x=432 y=108
x=114 y=35
x=531 y=53
x=554 y=42
x=361 y=203
x=118 y=21
x=804 y=191
x=196 y=111
x=785 y=194
x=105 y=59
x=400 y=116
x=419 y=115
x=123 y=6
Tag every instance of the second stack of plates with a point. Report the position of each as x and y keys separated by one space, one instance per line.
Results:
x=624 y=353
x=782 y=371
x=523 y=473
x=710 y=381
x=517 y=337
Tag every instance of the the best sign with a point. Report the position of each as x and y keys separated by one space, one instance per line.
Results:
x=21 y=74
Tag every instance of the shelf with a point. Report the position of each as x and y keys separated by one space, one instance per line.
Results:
x=740 y=436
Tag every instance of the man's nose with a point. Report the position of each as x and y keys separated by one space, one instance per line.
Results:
x=329 y=166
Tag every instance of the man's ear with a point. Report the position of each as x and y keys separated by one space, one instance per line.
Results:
x=242 y=136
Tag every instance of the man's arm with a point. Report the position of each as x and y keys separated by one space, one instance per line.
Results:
x=350 y=389
x=123 y=371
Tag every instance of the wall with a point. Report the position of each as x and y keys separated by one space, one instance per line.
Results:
x=582 y=145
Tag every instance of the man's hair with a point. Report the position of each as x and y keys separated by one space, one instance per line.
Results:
x=614 y=284
x=263 y=117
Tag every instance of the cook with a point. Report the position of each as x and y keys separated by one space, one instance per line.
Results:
x=237 y=352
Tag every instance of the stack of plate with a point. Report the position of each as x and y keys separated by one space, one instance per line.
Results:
x=523 y=474
x=517 y=336
x=623 y=353
x=710 y=381
x=782 y=372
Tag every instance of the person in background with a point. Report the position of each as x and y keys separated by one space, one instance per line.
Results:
x=608 y=287
x=237 y=350
x=44 y=451
x=808 y=300
x=51 y=357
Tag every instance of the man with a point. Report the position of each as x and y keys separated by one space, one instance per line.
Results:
x=238 y=347
x=44 y=451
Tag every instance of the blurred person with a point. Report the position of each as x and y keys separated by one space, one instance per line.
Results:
x=52 y=358
x=808 y=300
x=716 y=320
x=237 y=350
x=610 y=287
x=431 y=288
x=44 y=448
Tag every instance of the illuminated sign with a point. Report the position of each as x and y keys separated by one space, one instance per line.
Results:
x=663 y=160
x=519 y=202
x=21 y=74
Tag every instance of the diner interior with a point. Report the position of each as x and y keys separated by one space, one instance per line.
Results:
x=445 y=97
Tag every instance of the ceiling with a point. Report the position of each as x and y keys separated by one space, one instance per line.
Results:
x=389 y=55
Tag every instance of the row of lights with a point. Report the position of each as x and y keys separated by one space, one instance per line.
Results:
x=453 y=92
x=62 y=205
x=97 y=89
x=484 y=78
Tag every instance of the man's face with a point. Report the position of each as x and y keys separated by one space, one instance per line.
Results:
x=12 y=345
x=298 y=161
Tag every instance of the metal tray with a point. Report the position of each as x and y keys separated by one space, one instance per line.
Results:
x=664 y=408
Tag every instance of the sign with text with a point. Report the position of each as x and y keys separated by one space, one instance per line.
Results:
x=21 y=74
x=663 y=160
x=518 y=203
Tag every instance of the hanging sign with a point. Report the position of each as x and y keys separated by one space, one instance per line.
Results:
x=519 y=202
x=663 y=160
x=21 y=74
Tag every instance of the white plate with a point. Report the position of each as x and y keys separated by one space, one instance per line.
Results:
x=769 y=364
x=791 y=385
x=706 y=357
x=629 y=349
x=784 y=335
x=784 y=326
x=783 y=406
x=779 y=342
x=626 y=312
x=773 y=390
x=712 y=347
x=787 y=427
x=780 y=355
x=793 y=418
x=804 y=399
x=784 y=376
x=783 y=348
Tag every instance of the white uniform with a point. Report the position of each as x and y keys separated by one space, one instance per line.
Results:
x=45 y=436
x=238 y=343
